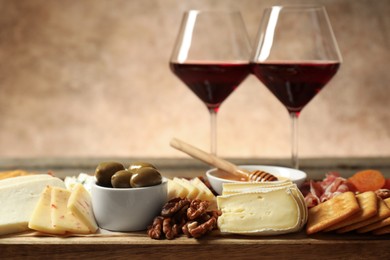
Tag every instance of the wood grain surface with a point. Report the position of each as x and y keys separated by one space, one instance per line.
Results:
x=136 y=245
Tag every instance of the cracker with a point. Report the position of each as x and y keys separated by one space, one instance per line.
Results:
x=369 y=208
x=379 y=224
x=383 y=212
x=14 y=173
x=331 y=212
x=382 y=231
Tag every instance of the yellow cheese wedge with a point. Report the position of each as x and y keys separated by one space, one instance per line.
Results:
x=62 y=218
x=41 y=217
x=193 y=192
x=176 y=190
x=80 y=204
x=18 y=199
x=262 y=211
x=207 y=194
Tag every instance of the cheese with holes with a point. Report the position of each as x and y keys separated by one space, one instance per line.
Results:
x=62 y=218
x=261 y=212
x=18 y=200
x=80 y=203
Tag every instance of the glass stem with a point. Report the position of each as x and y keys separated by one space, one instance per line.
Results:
x=213 y=131
x=294 y=139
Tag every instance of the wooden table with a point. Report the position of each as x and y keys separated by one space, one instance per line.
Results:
x=136 y=245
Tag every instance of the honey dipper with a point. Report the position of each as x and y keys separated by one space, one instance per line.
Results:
x=210 y=159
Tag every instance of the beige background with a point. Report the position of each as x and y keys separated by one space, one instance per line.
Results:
x=91 y=78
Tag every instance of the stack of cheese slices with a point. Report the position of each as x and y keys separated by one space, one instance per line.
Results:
x=41 y=202
x=191 y=189
x=19 y=196
x=267 y=208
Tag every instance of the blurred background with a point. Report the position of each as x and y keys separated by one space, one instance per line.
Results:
x=91 y=78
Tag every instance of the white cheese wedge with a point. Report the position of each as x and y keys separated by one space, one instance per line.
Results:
x=62 y=218
x=41 y=217
x=18 y=200
x=271 y=212
x=80 y=203
x=23 y=179
x=176 y=190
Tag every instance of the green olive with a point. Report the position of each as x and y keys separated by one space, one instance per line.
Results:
x=104 y=172
x=135 y=166
x=145 y=176
x=121 y=179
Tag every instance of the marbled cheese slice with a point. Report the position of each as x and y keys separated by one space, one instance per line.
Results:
x=80 y=203
x=41 y=217
x=62 y=218
x=260 y=213
x=19 y=199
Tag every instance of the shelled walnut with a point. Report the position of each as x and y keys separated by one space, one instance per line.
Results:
x=183 y=216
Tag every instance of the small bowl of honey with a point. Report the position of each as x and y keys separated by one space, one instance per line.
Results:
x=217 y=177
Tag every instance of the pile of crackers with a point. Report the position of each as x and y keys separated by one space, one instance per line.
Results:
x=14 y=173
x=362 y=213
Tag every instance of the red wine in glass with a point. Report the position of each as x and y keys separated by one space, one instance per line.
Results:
x=211 y=56
x=295 y=56
x=211 y=82
x=295 y=83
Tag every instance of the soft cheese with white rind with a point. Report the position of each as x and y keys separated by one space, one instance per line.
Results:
x=260 y=213
x=18 y=201
x=240 y=187
x=62 y=218
x=302 y=205
x=80 y=203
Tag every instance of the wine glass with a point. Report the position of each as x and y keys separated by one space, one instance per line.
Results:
x=211 y=56
x=296 y=55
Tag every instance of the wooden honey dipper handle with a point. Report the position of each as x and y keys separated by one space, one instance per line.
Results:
x=208 y=158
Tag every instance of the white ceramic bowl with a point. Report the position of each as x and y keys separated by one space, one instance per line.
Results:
x=296 y=176
x=131 y=209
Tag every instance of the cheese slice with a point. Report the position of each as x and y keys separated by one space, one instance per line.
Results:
x=62 y=218
x=193 y=192
x=260 y=213
x=18 y=200
x=176 y=190
x=207 y=194
x=41 y=217
x=80 y=204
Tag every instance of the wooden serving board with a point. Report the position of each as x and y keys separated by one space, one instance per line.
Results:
x=137 y=245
